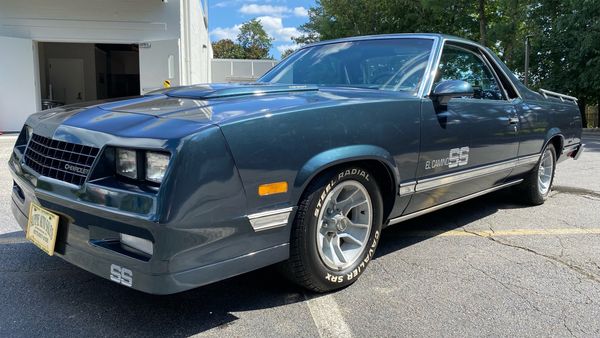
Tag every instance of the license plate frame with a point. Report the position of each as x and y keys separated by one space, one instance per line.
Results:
x=42 y=228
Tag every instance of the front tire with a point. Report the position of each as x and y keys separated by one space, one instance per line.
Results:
x=336 y=230
x=537 y=185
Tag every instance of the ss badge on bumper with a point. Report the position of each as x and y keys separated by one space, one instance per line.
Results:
x=121 y=275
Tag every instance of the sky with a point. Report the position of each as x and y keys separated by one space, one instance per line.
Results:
x=280 y=19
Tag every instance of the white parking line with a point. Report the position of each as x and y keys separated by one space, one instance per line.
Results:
x=502 y=233
x=13 y=240
x=327 y=316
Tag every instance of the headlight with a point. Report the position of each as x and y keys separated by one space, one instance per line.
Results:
x=127 y=163
x=28 y=133
x=156 y=166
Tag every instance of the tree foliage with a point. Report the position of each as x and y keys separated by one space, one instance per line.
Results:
x=564 y=34
x=227 y=49
x=287 y=53
x=253 y=42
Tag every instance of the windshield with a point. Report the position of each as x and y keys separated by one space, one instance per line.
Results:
x=384 y=64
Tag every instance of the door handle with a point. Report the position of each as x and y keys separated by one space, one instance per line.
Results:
x=513 y=120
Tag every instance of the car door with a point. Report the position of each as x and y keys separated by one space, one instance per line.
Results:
x=471 y=144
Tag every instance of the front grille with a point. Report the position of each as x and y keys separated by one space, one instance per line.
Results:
x=68 y=162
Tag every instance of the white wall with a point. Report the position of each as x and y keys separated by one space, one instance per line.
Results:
x=18 y=93
x=196 y=48
x=237 y=70
x=191 y=53
x=111 y=21
x=97 y=21
x=154 y=65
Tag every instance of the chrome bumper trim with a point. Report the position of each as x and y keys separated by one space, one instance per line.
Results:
x=270 y=219
x=579 y=151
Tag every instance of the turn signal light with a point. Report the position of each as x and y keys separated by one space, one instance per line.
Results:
x=272 y=188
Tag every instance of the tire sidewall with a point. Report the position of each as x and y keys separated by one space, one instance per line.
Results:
x=544 y=197
x=332 y=279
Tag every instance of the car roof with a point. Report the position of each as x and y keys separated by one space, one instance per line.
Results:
x=434 y=36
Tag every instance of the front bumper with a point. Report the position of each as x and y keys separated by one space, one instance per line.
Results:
x=183 y=258
x=99 y=260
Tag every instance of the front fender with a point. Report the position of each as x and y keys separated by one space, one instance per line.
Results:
x=335 y=156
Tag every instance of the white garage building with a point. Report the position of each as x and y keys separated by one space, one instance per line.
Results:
x=70 y=51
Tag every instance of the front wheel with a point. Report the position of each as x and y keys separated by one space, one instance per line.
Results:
x=537 y=185
x=336 y=230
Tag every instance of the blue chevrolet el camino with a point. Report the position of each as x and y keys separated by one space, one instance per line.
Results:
x=187 y=186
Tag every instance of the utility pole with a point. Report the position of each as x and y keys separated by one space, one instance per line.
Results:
x=527 y=46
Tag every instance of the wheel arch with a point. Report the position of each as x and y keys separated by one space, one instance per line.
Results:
x=376 y=159
x=557 y=139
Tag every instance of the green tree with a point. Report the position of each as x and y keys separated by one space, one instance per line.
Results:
x=227 y=49
x=509 y=31
x=287 y=53
x=254 y=40
x=566 y=48
x=331 y=19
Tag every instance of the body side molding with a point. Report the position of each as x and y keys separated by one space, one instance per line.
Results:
x=435 y=182
x=450 y=203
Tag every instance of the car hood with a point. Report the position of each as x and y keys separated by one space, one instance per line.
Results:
x=183 y=110
x=225 y=103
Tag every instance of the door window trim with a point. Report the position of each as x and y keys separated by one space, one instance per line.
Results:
x=476 y=51
x=434 y=66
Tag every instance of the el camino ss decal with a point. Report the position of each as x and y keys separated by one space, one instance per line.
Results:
x=458 y=157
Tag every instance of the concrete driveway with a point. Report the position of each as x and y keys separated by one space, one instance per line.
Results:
x=485 y=267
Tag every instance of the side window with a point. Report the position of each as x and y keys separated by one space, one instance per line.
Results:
x=461 y=64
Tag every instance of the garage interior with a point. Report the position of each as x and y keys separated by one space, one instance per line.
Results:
x=80 y=72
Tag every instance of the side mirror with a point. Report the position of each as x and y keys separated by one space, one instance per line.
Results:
x=443 y=92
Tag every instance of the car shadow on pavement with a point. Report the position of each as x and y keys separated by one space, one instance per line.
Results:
x=45 y=295
x=52 y=297
x=410 y=232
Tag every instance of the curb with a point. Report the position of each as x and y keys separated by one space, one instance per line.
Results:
x=591 y=130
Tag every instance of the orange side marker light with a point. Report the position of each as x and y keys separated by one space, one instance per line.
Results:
x=272 y=188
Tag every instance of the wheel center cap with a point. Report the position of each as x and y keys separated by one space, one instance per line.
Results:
x=341 y=222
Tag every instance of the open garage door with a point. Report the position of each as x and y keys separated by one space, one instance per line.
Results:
x=66 y=80
x=79 y=72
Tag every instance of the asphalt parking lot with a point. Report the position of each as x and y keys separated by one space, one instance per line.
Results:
x=485 y=267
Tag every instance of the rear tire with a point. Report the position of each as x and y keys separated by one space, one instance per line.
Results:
x=336 y=230
x=538 y=183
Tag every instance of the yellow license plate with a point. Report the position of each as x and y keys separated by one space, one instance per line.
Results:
x=42 y=227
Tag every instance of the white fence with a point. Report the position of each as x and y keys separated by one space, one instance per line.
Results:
x=238 y=70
